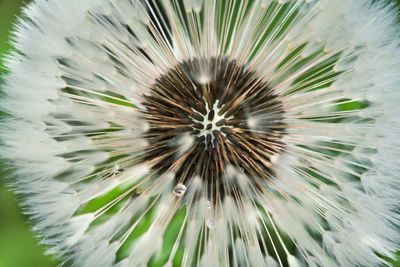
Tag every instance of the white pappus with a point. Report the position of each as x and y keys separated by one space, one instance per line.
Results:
x=207 y=133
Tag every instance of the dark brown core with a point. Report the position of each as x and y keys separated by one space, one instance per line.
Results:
x=205 y=115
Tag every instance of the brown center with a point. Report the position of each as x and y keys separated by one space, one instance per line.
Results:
x=205 y=115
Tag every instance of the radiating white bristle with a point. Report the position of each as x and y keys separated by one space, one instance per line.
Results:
x=77 y=132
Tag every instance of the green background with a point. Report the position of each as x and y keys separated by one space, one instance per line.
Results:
x=18 y=247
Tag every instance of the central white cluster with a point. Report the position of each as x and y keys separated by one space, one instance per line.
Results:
x=210 y=121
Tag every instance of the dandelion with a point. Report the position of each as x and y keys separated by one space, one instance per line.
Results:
x=207 y=133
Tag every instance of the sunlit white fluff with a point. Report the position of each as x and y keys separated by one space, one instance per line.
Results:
x=335 y=196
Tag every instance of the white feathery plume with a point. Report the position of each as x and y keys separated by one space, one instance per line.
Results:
x=207 y=133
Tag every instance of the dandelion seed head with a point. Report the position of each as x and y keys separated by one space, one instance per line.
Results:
x=254 y=133
x=213 y=116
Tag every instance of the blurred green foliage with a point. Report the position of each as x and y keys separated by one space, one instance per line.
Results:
x=8 y=11
x=18 y=246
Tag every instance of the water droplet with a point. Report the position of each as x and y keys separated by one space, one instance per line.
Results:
x=136 y=193
x=210 y=223
x=113 y=172
x=116 y=168
x=179 y=190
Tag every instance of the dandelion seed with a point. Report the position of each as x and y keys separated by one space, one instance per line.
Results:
x=254 y=133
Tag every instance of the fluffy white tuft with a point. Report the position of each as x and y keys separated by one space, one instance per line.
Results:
x=75 y=131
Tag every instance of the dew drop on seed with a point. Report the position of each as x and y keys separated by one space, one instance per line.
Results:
x=116 y=169
x=136 y=194
x=210 y=223
x=179 y=190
